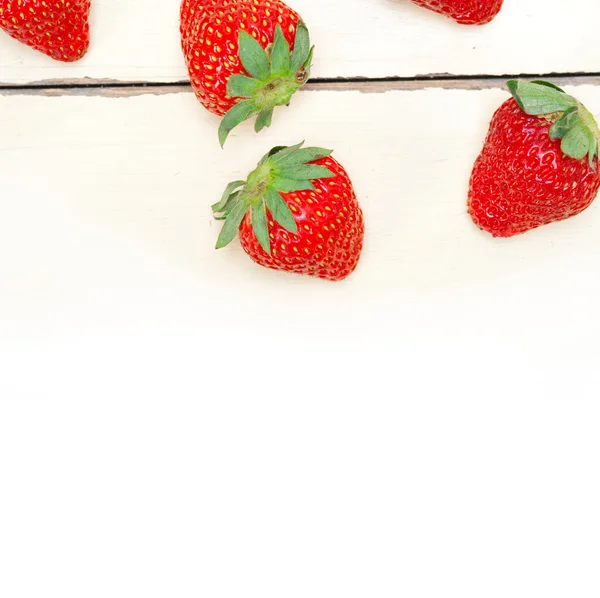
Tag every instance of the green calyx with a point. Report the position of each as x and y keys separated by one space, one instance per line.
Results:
x=282 y=170
x=275 y=75
x=571 y=120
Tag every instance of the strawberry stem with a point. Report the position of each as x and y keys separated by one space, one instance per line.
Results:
x=274 y=76
x=282 y=170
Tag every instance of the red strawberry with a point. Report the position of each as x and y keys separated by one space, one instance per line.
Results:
x=58 y=28
x=466 y=12
x=539 y=162
x=239 y=60
x=296 y=212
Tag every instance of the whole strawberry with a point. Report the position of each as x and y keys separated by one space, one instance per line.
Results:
x=466 y=12
x=297 y=212
x=539 y=162
x=239 y=59
x=57 y=28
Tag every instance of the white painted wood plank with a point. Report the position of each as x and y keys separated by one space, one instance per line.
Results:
x=435 y=412
x=354 y=38
x=106 y=223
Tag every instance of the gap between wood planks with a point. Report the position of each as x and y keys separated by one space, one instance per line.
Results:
x=111 y=88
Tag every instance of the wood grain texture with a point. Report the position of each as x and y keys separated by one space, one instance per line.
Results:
x=374 y=38
x=106 y=227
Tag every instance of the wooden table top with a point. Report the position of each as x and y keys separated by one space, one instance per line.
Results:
x=426 y=428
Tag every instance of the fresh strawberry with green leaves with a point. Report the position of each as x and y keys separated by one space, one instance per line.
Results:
x=244 y=57
x=297 y=211
x=539 y=162
x=58 y=28
x=465 y=12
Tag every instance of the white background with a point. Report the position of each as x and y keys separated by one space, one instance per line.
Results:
x=175 y=421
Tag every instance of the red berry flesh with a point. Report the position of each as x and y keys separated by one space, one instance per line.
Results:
x=58 y=29
x=465 y=12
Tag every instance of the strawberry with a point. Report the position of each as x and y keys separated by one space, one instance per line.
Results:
x=59 y=28
x=539 y=162
x=465 y=12
x=297 y=212
x=239 y=59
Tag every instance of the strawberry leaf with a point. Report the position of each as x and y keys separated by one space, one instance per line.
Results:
x=302 y=156
x=280 y=152
x=537 y=99
x=301 y=49
x=280 y=54
x=263 y=120
x=238 y=114
x=230 y=203
x=577 y=141
x=560 y=127
x=548 y=84
x=274 y=151
x=220 y=206
x=308 y=62
x=259 y=226
x=232 y=224
x=592 y=126
x=303 y=172
x=289 y=185
x=593 y=152
x=253 y=56
x=280 y=210
x=240 y=86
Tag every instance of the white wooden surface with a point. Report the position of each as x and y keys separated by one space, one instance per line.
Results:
x=176 y=421
x=105 y=209
x=210 y=428
x=135 y=41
